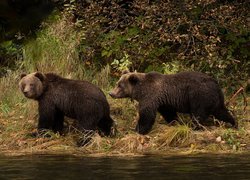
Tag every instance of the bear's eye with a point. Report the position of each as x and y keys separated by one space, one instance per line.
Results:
x=31 y=85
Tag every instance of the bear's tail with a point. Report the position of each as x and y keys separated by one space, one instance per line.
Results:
x=107 y=126
x=225 y=116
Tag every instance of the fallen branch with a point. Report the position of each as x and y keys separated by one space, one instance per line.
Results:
x=240 y=90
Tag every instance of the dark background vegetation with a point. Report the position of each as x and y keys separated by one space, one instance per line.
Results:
x=211 y=36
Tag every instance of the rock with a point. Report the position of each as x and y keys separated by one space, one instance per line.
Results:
x=218 y=139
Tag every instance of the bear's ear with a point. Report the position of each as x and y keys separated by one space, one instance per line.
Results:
x=133 y=79
x=39 y=76
x=125 y=71
x=22 y=75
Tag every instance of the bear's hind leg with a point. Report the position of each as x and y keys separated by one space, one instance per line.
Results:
x=199 y=117
x=105 y=125
x=86 y=129
x=168 y=114
x=58 y=122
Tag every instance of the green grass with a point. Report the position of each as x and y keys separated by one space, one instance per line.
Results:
x=54 y=50
x=176 y=136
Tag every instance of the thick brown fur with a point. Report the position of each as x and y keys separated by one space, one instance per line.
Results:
x=187 y=92
x=59 y=97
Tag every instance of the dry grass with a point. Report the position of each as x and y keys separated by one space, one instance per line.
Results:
x=175 y=136
x=163 y=138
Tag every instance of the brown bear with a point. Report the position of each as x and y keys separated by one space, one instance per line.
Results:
x=194 y=93
x=58 y=97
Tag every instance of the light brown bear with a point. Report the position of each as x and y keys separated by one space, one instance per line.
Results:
x=187 y=92
x=58 y=97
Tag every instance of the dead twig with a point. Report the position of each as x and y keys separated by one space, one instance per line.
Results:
x=240 y=90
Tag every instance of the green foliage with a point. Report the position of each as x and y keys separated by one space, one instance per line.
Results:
x=9 y=53
x=70 y=6
x=232 y=137
x=122 y=64
x=8 y=47
x=205 y=36
x=171 y=68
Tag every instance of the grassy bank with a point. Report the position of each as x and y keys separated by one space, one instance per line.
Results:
x=56 y=50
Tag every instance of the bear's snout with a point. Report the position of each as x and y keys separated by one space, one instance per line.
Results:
x=112 y=94
x=25 y=93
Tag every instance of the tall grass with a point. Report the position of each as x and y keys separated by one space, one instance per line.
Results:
x=54 y=49
x=180 y=135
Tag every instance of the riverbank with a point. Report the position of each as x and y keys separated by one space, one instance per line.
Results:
x=179 y=138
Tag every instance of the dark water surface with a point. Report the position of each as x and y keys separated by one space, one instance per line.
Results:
x=46 y=167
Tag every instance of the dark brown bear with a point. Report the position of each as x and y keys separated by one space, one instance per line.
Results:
x=58 y=97
x=187 y=92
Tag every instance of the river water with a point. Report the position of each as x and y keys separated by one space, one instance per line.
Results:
x=235 y=167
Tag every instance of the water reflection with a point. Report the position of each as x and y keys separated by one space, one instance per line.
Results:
x=148 y=167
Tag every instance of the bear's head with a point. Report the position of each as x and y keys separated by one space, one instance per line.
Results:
x=127 y=85
x=32 y=85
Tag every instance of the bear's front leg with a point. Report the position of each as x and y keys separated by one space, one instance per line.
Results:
x=42 y=128
x=46 y=117
x=146 y=120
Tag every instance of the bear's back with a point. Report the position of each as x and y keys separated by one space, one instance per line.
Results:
x=73 y=97
x=190 y=78
x=76 y=88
